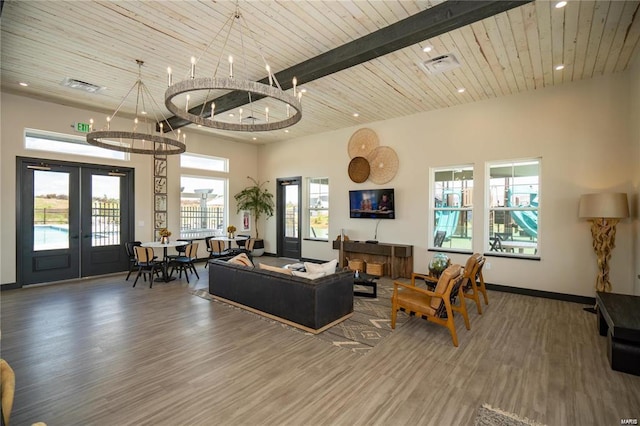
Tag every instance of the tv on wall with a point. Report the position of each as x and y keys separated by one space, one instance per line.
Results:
x=372 y=204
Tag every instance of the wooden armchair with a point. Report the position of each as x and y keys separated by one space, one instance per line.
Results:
x=473 y=281
x=436 y=306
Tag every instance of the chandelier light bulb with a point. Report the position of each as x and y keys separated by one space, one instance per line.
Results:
x=230 y=66
x=161 y=127
x=108 y=123
x=270 y=76
x=193 y=67
x=266 y=114
x=240 y=115
x=169 y=77
x=186 y=104
x=295 y=83
x=213 y=108
x=91 y=124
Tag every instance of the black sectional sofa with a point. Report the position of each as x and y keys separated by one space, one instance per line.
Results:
x=311 y=305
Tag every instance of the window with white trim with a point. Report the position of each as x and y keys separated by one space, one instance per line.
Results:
x=203 y=206
x=40 y=140
x=514 y=195
x=318 y=192
x=452 y=206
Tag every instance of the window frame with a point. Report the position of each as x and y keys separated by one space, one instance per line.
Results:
x=488 y=239
x=433 y=209
x=73 y=141
x=310 y=209
x=200 y=232
x=225 y=162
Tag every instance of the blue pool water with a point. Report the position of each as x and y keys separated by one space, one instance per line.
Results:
x=49 y=237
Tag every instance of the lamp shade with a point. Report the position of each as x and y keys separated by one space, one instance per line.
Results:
x=604 y=205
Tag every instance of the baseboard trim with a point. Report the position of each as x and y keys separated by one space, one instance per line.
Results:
x=10 y=286
x=583 y=300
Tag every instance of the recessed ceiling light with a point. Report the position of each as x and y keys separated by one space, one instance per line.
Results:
x=561 y=4
x=461 y=90
x=303 y=90
x=355 y=114
x=199 y=125
x=23 y=84
x=427 y=49
x=559 y=67
x=254 y=138
x=286 y=131
x=231 y=114
x=143 y=112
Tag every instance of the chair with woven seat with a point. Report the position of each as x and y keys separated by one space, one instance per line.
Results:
x=128 y=246
x=248 y=248
x=185 y=263
x=217 y=249
x=473 y=281
x=436 y=306
x=147 y=264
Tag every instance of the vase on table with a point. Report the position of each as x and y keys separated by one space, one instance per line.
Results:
x=164 y=240
x=230 y=234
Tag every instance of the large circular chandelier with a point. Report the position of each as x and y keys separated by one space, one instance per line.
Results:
x=143 y=137
x=278 y=109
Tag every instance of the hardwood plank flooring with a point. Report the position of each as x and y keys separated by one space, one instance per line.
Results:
x=99 y=352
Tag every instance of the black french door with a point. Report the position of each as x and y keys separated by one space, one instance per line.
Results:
x=72 y=220
x=289 y=199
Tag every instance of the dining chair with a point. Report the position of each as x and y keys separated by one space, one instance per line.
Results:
x=185 y=263
x=7 y=390
x=436 y=306
x=128 y=246
x=217 y=249
x=147 y=264
x=473 y=282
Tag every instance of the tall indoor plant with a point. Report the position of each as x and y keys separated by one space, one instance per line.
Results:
x=257 y=200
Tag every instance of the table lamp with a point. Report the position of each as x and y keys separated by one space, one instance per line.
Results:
x=604 y=210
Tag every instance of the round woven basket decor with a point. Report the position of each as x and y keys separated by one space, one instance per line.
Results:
x=362 y=143
x=359 y=169
x=384 y=164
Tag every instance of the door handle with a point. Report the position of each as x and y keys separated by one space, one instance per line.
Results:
x=86 y=236
x=75 y=237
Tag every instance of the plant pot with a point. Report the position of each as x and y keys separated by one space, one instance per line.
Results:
x=258 y=248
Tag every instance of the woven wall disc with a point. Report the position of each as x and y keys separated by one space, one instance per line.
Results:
x=359 y=169
x=383 y=162
x=362 y=143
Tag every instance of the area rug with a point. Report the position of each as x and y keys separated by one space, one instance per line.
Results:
x=489 y=416
x=369 y=325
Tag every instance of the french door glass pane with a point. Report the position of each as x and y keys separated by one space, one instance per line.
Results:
x=105 y=210
x=51 y=210
x=291 y=211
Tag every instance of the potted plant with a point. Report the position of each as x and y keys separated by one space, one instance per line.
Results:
x=258 y=201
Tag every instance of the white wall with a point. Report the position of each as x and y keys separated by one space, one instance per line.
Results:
x=582 y=132
x=19 y=113
x=634 y=200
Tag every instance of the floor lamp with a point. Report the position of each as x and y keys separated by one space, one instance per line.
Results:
x=604 y=211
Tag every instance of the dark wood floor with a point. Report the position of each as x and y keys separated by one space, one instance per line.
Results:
x=98 y=352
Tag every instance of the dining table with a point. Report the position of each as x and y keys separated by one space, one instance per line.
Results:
x=231 y=240
x=165 y=258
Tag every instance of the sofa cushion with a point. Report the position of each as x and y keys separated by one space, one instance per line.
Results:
x=241 y=259
x=274 y=269
x=328 y=268
x=308 y=275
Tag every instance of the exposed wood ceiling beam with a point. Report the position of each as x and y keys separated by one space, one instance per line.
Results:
x=432 y=22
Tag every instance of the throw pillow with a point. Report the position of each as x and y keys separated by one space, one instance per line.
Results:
x=241 y=259
x=308 y=275
x=328 y=268
x=274 y=269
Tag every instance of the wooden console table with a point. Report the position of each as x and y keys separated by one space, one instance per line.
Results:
x=396 y=258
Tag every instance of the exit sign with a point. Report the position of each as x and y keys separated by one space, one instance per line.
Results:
x=83 y=127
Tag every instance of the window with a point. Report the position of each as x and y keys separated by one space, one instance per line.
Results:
x=204 y=162
x=203 y=206
x=67 y=144
x=319 y=208
x=452 y=208
x=514 y=192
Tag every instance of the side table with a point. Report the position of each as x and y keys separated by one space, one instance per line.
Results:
x=366 y=280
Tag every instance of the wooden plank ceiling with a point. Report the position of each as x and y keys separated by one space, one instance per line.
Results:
x=515 y=51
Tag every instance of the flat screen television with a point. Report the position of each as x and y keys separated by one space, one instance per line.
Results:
x=372 y=204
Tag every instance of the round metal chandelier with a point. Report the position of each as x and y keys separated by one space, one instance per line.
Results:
x=288 y=109
x=137 y=141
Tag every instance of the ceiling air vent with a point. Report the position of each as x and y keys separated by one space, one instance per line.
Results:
x=82 y=85
x=440 y=64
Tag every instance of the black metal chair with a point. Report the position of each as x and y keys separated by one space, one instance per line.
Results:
x=146 y=261
x=185 y=263
x=439 y=238
x=217 y=250
x=133 y=264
